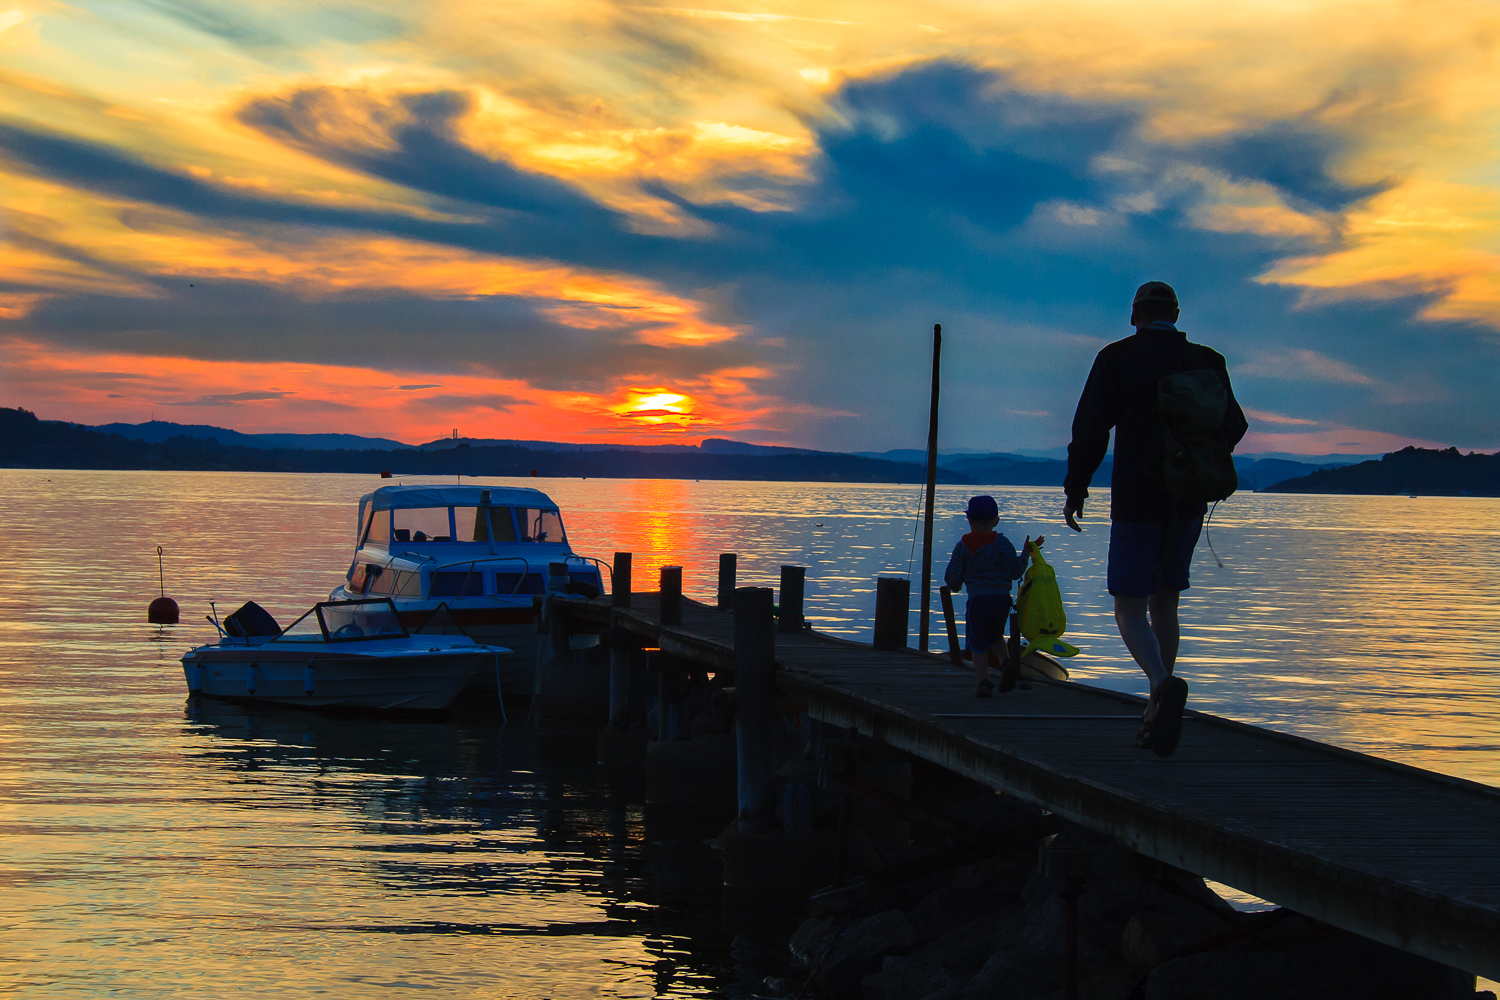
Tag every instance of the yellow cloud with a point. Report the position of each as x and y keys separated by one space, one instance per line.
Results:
x=1421 y=238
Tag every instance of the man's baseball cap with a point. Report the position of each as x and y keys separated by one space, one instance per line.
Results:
x=1157 y=292
x=982 y=508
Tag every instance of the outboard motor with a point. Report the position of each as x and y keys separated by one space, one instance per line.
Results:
x=251 y=621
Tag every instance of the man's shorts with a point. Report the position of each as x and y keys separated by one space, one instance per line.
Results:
x=1147 y=557
x=984 y=620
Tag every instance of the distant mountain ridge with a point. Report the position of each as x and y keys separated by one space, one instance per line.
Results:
x=994 y=468
x=26 y=442
x=1411 y=471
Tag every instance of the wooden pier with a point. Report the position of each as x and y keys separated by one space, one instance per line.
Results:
x=1401 y=855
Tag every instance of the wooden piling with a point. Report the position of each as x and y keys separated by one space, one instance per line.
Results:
x=892 y=604
x=557 y=627
x=619 y=586
x=793 y=583
x=932 y=439
x=728 y=563
x=619 y=682
x=955 y=651
x=755 y=697
x=671 y=596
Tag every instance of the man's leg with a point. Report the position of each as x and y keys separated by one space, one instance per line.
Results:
x=1165 y=625
x=1133 y=618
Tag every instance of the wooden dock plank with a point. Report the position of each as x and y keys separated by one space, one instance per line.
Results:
x=1402 y=855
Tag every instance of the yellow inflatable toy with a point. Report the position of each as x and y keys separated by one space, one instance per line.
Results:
x=1039 y=606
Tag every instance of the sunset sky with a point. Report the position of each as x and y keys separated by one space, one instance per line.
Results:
x=633 y=222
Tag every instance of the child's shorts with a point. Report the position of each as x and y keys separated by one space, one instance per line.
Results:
x=984 y=620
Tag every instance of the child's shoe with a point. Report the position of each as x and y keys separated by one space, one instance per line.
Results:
x=984 y=689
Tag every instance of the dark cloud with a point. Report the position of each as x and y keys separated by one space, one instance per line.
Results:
x=1298 y=158
x=414 y=144
x=409 y=388
x=381 y=328
x=220 y=399
x=500 y=402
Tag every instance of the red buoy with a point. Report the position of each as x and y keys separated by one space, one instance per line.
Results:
x=163 y=610
x=385 y=475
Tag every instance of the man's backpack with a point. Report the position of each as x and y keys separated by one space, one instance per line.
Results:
x=1192 y=462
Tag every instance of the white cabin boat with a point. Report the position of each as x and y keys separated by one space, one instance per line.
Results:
x=490 y=554
x=351 y=654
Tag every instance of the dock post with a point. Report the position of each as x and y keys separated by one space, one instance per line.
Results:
x=892 y=604
x=755 y=697
x=619 y=581
x=619 y=680
x=955 y=651
x=728 y=562
x=793 y=580
x=932 y=458
x=671 y=596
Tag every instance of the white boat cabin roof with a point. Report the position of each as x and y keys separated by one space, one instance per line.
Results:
x=408 y=497
x=414 y=497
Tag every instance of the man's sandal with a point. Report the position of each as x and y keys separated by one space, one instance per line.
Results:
x=1166 y=729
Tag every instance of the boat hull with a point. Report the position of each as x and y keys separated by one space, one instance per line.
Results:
x=419 y=681
x=495 y=622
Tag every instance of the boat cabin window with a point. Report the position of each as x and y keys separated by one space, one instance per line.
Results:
x=540 y=525
x=456 y=583
x=488 y=523
x=364 y=577
x=397 y=583
x=378 y=528
x=375 y=619
x=516 y=584
x=422 y=524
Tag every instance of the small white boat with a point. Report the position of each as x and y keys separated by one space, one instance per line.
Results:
x=489 y=553
x=348 y=654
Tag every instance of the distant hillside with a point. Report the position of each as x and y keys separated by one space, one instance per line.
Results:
x=1421 y=471
x=157 y=431
x=994 y=468
x=26 y=442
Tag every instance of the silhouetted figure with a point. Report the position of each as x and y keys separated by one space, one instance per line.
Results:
x=1141 y=387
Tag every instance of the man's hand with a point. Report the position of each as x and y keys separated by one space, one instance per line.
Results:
x=1072 y=510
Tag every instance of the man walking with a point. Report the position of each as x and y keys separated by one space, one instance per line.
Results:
x=1176 y=421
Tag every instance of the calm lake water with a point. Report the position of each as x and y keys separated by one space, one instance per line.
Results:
x=147 y=850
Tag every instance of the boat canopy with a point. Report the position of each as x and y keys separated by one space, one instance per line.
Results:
x=408 y=497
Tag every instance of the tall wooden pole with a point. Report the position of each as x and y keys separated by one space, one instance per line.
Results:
x=932 y=424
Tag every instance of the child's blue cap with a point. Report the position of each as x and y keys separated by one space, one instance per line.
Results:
x=982 y=508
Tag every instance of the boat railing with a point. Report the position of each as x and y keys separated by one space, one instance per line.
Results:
x=520 y=580
x=599 y=564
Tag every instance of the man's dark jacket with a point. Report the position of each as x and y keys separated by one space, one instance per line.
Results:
x=1121 y=393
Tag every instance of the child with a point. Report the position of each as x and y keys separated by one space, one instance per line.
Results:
x=986 y=563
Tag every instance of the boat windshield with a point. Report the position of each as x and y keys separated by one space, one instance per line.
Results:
x=360 y=620
x=448 y=524
x=540 y=525
x=421 y=524
x=487 y=524
x=304 y=629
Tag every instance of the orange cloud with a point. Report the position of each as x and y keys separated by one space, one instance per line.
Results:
x=102 y=387
x=1331 y=441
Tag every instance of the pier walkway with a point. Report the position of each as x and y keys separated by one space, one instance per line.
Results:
x=1405 y=856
